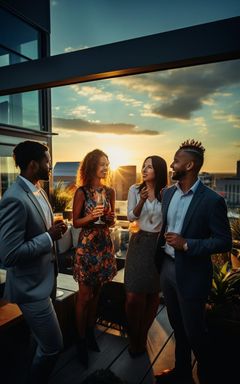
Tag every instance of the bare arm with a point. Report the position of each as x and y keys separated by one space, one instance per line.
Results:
x=78 y=203
x=134 y=207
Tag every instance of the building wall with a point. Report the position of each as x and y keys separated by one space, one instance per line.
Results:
x=31 y=25
x=38 y=14
x=123 y=178
x=230 y=190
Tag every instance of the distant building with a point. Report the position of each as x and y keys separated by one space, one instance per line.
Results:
x=121 y=208
x=123 y=178
x=238 y=168
x=65 y=172
x=207 y=179
x=229 y=188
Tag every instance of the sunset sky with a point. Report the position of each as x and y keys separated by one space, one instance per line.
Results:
x=133 y=117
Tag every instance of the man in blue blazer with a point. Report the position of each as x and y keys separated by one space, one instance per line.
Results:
x=27 y=236
x=195 y=226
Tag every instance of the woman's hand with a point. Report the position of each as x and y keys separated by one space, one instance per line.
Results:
x=110 y=217
x=96 y=212
x=144 y=194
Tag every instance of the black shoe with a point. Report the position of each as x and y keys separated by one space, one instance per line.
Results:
x=91 y=340
x=82 y=351
x=170 y=376
x=40 y=371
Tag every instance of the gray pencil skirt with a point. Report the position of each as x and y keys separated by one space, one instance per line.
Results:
x=141 y=275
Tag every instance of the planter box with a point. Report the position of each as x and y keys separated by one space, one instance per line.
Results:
x=224 y=341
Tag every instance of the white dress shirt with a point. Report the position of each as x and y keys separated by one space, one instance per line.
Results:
x=150 y=219
x=177 y=210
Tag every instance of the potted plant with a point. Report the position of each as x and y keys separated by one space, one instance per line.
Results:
x=224 y=298
x=223 y=318
x=235 y=253
x=61 y=197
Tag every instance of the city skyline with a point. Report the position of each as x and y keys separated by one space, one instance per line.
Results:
x=133 y=117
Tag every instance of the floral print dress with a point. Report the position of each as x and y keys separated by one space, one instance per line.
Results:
x=94 y=263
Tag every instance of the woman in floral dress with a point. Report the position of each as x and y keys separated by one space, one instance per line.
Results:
x=94 y=260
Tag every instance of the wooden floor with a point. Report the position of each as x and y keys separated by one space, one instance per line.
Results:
x=114 y=350
x=114 y=356
x=113 y=344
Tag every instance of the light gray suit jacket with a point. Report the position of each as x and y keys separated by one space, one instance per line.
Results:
x=25 y=248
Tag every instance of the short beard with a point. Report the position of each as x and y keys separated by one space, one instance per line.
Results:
x=179 y=175
x=43 y=175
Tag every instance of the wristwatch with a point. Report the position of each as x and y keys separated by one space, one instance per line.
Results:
x=185 y=247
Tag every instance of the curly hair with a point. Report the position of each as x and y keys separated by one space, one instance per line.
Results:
x=88 y=167
x=196 y=149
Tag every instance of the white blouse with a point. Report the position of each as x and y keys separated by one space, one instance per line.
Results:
x=150 y=219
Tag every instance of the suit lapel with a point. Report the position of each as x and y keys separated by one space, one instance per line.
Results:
x=193 y=205
x=33 y=199
x=47 y=201
x=38 y=206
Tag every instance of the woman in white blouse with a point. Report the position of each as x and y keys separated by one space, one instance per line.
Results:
x=141 y=276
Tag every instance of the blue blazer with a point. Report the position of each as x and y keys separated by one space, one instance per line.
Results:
x=207 y=231
x=25 y=248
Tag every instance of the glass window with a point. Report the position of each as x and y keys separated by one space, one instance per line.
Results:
x=7 y=58
x=18 y=37
x=21 y=110
x=134 y=116
x=8 y=171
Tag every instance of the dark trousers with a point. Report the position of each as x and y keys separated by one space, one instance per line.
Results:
x=187 y=318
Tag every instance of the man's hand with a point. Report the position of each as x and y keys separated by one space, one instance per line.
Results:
x=57 y=230
x=175 y=240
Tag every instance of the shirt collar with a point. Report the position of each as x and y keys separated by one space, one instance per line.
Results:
x=33 y=188
x=191 y=190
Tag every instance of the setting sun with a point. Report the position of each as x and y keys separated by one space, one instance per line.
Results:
x=117 y=157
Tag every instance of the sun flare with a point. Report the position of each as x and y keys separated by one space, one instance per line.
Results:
x=117 y=157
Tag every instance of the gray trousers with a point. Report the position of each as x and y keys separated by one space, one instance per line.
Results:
x=42 y=320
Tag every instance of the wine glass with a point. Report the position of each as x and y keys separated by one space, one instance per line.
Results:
x=57 y=217
x=165 y=232
x=100 y=200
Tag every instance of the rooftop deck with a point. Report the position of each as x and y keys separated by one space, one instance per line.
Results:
x=114 y=356
x=112 y=341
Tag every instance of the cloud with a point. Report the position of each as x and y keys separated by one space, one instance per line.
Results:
x=80 y=125
x=54 y=3
x=82 y=110
x=227 y=117
x=178 y=93
x=93 y=93
x=128 y=100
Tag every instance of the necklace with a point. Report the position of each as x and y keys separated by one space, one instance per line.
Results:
x=151 y=212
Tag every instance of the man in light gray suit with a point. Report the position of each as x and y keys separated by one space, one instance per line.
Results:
x=27 y=236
